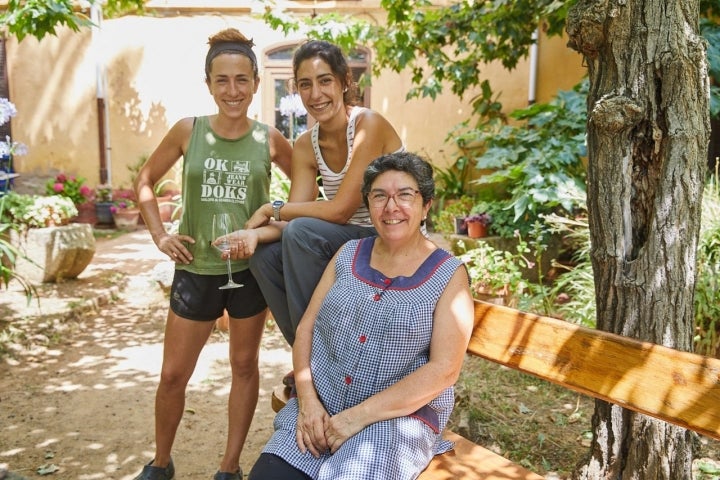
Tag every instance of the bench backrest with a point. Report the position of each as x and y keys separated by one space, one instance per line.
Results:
x=677 y=387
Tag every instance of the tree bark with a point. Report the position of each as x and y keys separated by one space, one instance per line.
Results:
x=648 y=134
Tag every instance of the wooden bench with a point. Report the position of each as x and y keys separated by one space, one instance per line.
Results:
x=676 y=387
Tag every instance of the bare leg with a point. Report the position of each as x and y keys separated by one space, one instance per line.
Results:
x=184 y=339
x=245 y=336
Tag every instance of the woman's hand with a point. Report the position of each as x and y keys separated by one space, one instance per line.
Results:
x=242 y=245
x=174 y=247
x=341 y=427
x=260 y=217
x=311 y=423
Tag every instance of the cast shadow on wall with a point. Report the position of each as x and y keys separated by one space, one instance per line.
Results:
x=136 y=129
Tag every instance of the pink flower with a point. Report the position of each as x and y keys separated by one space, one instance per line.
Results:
x=86 y=191
x=58 y=187
x=61 y=178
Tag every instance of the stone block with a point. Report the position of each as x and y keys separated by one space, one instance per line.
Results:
x=54 y=253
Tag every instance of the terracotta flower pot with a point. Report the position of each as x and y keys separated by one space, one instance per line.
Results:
x=86 y=214
x=126 y=219
x=476 y=230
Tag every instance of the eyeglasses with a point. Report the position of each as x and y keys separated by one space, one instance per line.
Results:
x=403 y=198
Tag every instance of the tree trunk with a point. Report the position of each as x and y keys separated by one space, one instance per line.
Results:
x=648 y=133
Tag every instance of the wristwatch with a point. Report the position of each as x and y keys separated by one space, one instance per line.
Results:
x=276 y=206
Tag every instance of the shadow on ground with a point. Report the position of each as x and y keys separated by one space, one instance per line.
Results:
x=78 y=379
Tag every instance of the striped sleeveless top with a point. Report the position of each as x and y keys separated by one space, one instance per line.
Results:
x=331 y=180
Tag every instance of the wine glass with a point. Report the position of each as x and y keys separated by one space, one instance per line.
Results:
x=223 y=227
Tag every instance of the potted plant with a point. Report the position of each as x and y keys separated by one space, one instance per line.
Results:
x=69 y=186
x=496 y=275
x=477 y=224
x=37 y=211
x=8 y=149
x=103 y=204
x=450 y=218
x=9 y=254
x=74 y=189
x=125 y=213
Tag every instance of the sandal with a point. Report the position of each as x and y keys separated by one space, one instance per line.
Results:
x=151 y=472
x=228 y=476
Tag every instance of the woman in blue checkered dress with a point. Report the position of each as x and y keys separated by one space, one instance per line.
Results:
x=379 y=347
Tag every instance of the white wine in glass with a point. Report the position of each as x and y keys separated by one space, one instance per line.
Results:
x=223 y=228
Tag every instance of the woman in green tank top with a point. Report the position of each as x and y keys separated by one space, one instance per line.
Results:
x=226 y=168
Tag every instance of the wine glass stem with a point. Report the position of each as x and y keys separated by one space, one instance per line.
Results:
x=229 y=271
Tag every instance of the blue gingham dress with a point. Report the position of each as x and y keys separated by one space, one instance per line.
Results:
x=371 y=332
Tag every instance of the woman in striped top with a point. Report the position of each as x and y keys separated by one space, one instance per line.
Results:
x=289 y=244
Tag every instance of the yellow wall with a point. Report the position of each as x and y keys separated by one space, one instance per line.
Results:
x=155 y=77
x=560 y=68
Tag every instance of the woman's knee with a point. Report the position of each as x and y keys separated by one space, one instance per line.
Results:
x=302 y=228
x=173 y=377
x=244 y=366
x=309 y=235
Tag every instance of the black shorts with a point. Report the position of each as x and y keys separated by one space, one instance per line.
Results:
x=198 y=297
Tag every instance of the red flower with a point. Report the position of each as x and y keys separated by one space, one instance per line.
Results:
x=69 y=186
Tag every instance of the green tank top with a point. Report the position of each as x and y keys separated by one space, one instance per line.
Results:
x=221 y=175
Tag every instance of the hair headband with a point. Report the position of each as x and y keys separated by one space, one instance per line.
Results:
x=221 y=47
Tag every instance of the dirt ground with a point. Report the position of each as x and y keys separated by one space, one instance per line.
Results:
x=77 y=383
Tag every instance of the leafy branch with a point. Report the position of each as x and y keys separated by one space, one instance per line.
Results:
x=38 y=18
